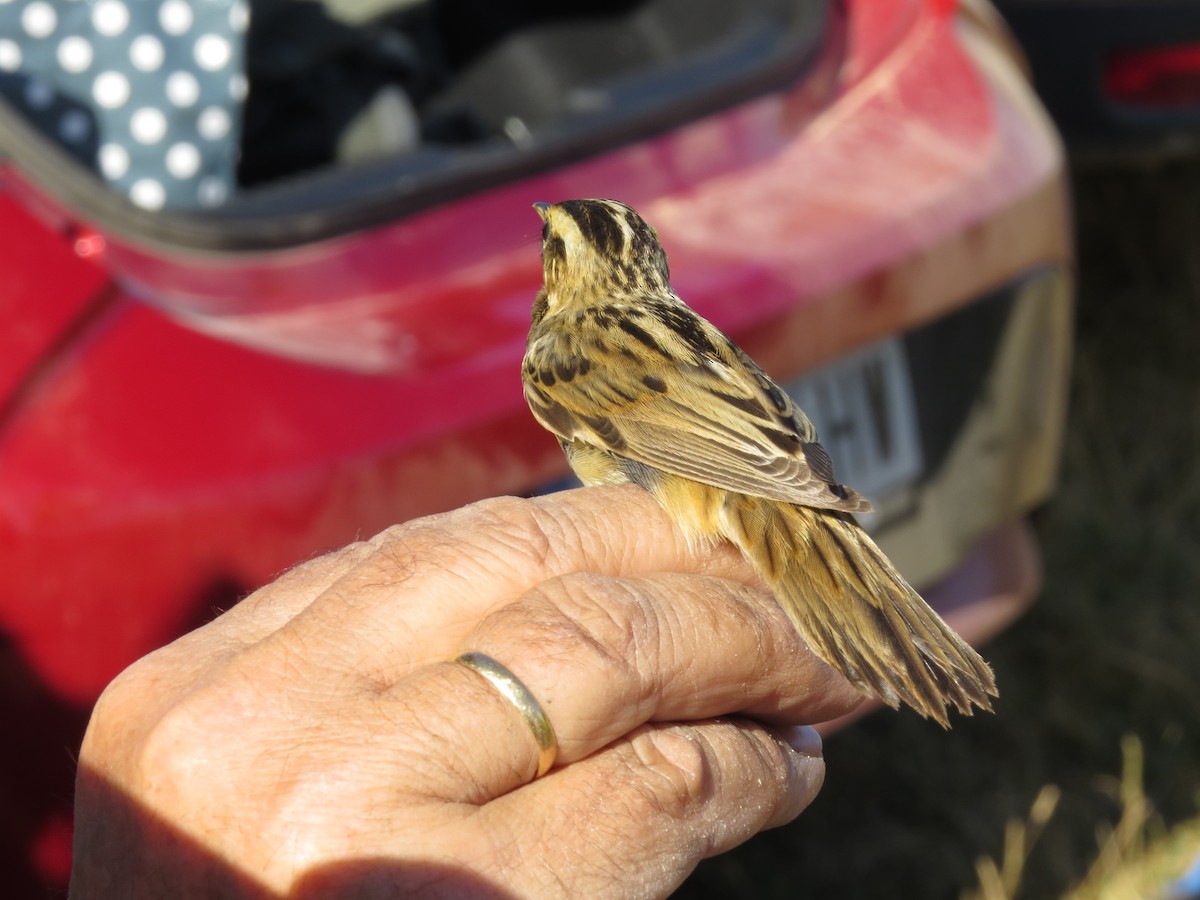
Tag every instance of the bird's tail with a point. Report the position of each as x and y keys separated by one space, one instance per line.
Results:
x=855 y=610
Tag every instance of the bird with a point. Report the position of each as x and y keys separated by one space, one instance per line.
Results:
x=639 y=388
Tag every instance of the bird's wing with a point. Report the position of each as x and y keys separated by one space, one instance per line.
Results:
x=683 y=401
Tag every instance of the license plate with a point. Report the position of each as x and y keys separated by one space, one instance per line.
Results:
x=866 y=418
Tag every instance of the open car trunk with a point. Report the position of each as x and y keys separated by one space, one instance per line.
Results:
x=358 y=113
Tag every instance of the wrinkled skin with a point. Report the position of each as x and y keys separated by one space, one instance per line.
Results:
x=316 y=739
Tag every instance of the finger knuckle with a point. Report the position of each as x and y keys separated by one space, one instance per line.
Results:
x=168 y=755
x=502 y=534
x=585 y=620
x=676 y=765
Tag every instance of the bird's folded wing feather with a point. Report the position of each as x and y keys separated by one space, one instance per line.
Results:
x=716 y=418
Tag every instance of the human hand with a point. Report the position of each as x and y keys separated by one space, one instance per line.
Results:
x=318 y=739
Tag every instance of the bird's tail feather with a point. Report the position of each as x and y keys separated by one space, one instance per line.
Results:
x=855 y=610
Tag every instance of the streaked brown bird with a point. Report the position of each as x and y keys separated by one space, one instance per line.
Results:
x=639 y=388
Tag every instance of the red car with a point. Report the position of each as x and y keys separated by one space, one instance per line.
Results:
x=867 y=196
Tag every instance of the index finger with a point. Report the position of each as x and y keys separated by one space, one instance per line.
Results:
x=449 y=570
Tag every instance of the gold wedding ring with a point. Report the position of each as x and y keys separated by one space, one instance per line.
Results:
x=519 y=696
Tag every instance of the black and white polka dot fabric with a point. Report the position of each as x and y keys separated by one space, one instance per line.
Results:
x=149 y=92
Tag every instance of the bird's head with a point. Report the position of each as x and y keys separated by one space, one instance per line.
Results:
x=599 y=249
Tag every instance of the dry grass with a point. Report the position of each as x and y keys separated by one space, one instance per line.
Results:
x=1001 y=881
x=1136 y=857
x=1102 y=677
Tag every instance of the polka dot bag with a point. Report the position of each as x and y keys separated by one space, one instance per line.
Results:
x=147 y=92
